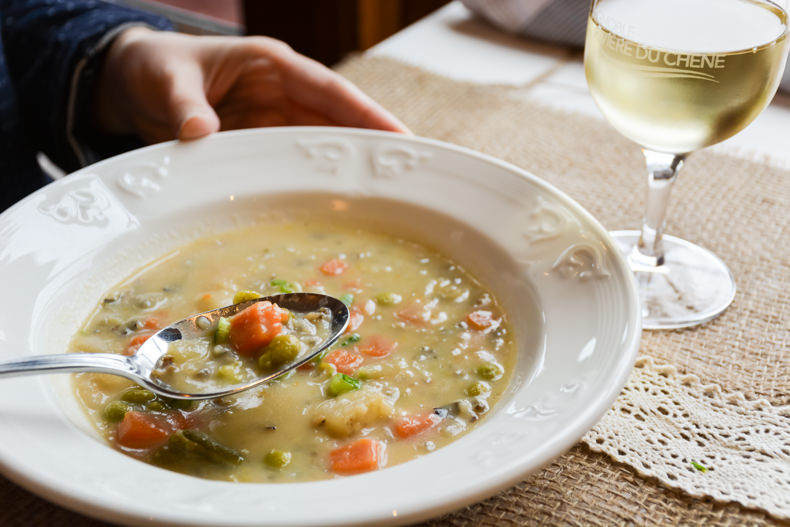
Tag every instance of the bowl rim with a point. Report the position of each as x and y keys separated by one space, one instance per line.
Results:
x=53 y=490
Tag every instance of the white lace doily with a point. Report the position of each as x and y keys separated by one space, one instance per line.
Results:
x=697 y=438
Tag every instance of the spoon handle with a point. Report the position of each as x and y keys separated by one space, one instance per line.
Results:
x=70 y=363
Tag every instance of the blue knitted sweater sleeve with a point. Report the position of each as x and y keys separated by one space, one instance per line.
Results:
x=44 y=42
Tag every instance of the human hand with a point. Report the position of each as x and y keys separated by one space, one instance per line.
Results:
x=162 y=86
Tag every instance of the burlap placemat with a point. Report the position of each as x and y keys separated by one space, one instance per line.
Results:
x=735 y=207
x=739 y=209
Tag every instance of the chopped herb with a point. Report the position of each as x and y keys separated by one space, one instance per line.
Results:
x=347 y=299
x=341 y=383
x=699 y=467
x=284 y=286
x=354 y=337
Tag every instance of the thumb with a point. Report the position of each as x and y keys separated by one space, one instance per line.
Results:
x=191 y=114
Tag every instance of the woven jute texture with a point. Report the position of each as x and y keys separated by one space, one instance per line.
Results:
x=740 y=209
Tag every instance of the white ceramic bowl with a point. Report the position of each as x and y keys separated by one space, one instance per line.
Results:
x=568 y=292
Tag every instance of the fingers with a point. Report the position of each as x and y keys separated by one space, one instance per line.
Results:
x=324 y=92
x=191 y=116
x=286 y=113
x=197 y=125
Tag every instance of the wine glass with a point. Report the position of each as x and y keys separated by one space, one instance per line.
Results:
x=675 y=76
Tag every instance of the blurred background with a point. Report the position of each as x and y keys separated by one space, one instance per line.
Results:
x=324 y=30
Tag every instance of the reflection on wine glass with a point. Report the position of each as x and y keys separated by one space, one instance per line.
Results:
x=676 y=76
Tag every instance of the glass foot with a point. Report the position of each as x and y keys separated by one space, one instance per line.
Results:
x=691 y=287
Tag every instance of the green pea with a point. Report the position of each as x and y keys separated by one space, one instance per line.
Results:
x=490 y=371
x=388 y=299
x=327 y=368
x=277 y=458
x=228 y=373
x=116 y=410
x=138 y=395
x=223 y=330
x=157 y=406
x=244 y=295
x=280 y=351
x=478 y=388
x=351 y=339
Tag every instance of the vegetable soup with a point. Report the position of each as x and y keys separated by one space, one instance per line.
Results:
x=427 y=352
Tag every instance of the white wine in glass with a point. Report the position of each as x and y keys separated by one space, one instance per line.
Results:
x=675 y=76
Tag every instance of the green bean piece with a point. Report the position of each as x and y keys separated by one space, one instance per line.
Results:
x=214 y=450
x=138 y=395
x=388 y=299
x=115 y=411
x=277 y=458
x=478 y=388
x=450 y=292
x=244 y=295
x=341 y=383
x=184 y=445
x=490 y=371
x=180 y=445
x=280 y=351
x=223 y=331
x=179 y=404
x=347 y=299
x=284 y=286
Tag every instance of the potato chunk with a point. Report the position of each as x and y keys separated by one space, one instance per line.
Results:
x=347 y=414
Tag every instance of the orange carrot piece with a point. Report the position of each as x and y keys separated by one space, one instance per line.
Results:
x=413 y=314
x=255 y=327
x=312 y=282
x=139 y=430
x=377 y=346
x=152 y=324
x=355 y=319
x=360 y=456
x=354 y=285
x=135 y=344
x=345 y=360
x=334 y=267
x=412 y=425
x=480 y=319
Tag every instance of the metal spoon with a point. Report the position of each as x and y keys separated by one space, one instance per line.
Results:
x=140 y=366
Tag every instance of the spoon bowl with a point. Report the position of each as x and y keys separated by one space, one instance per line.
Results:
x=141 y=366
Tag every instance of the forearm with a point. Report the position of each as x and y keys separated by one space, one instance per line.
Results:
x=52 y=52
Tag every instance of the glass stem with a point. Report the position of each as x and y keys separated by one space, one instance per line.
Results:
x=662 y=170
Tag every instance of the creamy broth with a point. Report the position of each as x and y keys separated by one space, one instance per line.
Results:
x=427 y=353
